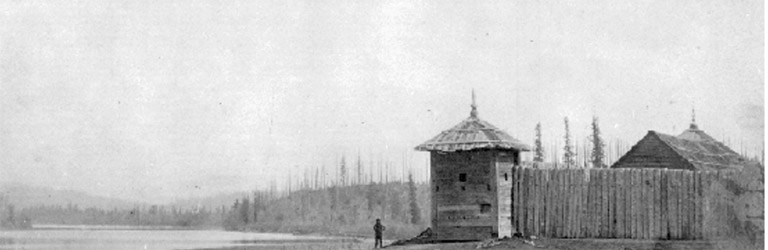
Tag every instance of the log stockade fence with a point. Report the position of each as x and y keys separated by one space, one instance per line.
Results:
x=626 y=203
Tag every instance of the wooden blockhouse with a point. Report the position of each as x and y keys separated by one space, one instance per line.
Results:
x=471 y=180
x=691 y=150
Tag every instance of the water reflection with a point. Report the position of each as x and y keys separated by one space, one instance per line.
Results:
x=60 y=238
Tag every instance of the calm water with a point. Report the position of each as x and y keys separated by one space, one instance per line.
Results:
x=121 y=238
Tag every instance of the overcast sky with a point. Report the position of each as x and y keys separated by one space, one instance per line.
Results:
x=158 y=100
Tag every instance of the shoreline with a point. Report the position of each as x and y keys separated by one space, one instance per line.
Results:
x=42 y=227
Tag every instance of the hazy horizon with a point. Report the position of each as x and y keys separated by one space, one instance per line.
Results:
x=155 y=101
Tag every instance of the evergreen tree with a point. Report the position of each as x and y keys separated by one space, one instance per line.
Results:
x=414 y=205
x=539 y=149
x=598 y=146
x=569 y=157
x=256 y=205
x=232 y=220
x=395 y=205
x=334 y=195
x=244 y=210
x=370 y=196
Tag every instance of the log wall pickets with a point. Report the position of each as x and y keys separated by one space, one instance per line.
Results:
x=619 y=203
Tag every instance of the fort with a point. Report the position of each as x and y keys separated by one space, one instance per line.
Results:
x=681 y=187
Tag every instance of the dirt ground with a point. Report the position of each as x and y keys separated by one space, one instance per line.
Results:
x=596 y=244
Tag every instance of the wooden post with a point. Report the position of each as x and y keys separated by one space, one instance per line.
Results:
x=636 y=202
x=582 y=203
x=574 y=191
x=589 y=204
x=697 y=205
x=598 y=210
x=518 y=208
x=531 y=202
x=535 y=201
x=642 y=193
x=561 y=202
x=574 y=203
x=619 y=203
x=606 y=204
x=686 y=209
x=611 y=203
x=547 y=203
x=599 y=201
x=553 y=196
x=629 y=204
x=643 y=205
x=672 y=202
x=692 y=204
x=513 y=208
x=653 y=189
x=627 y=198
x=554 y=201
x=663 y=204
x=567 y=201
x=702 y=204
x=657 y=203
x=683 y=206
x=542 y=205
x=524 y=201
x=710 y=209
x=615 y=203
x=571 y=190
x=678 y=204
x=651 y=196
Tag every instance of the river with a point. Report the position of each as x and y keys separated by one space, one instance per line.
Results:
x=119 y=238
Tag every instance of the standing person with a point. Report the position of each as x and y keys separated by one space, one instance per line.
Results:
x=379 y=229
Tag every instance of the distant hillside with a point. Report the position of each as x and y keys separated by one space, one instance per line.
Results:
x=23 y=196
x=212 y=202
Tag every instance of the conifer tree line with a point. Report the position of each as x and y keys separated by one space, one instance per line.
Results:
x=144 y=215
x=595 y=151
x=590 y=153
x=346 y=203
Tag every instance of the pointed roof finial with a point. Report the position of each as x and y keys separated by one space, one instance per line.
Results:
x=693 y=119
x=473 y=113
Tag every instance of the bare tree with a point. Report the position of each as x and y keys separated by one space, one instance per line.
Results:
x=343 y=172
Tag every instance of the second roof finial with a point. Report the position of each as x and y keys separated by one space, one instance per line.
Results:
x=693 y=119
x=473 y=113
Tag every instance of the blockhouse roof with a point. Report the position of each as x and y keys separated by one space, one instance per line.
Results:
x=472 y=133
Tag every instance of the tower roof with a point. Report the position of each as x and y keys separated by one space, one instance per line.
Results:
x=693 y=133
x=472 y=133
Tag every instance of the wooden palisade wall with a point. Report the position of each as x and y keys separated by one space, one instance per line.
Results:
x=629 y=203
